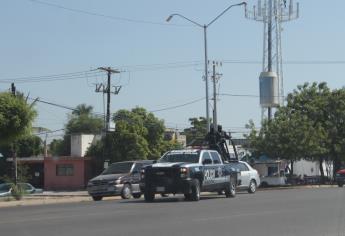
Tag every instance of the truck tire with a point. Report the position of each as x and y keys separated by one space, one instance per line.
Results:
x=136 y=195
x=195 y=191
x=252 y=186
x=230 y=190
x=97 y=198
x=187 y=196
x=149 y=196
x=340 y=184
x=126 y=192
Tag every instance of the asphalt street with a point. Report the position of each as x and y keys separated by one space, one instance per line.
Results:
x=301 y=212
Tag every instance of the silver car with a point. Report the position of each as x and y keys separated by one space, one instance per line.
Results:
x=5 y=190
x=248 y=178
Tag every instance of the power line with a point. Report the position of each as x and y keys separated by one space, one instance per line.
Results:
x=116 y=18
x=178 y=106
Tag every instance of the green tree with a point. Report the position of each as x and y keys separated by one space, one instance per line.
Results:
x=16 y=117
x=196 y=133
x=138 y=135
x=309 y=126
x=26 y=146
x=81 y=121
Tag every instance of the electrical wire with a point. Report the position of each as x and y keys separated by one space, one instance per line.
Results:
x=109 y=17
x=178 y=106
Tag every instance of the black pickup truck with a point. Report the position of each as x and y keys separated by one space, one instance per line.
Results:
x=188 y=172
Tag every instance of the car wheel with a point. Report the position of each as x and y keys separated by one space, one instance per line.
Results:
x=195 y=189
x=340 y=184
x=149 y=196
x=97 y=198
x=252 y=187
x=126 y=192
x=230 y=190
x=136 y=195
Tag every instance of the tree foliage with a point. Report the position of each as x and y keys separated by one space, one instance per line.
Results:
x=26 y=146
x=196 y=133
x=138 y=135
x=310 y=126
x=16 y=116
x=81 y=121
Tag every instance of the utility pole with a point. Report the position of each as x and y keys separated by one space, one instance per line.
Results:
x=215 y=78
x=14 y=152
x=107 y=89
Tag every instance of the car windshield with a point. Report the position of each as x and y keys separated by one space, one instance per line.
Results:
x=192 y=157
x=118 y=168
x=4 y=187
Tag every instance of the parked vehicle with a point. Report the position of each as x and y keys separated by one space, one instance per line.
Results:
x=29 y=189
x=26 y=188
x=340 y=177
x=188 y=172
x=248 y=179
x=121 y=178
x=5 y=190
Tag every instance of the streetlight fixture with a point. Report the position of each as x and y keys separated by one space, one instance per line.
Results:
x=205 y=26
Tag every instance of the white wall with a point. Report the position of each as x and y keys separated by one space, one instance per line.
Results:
x=80 y=143
x=311 y=168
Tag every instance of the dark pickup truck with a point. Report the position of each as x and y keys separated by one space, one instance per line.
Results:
x=340 y=177
x=188 y=172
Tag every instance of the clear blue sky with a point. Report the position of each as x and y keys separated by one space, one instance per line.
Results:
x=38 y=39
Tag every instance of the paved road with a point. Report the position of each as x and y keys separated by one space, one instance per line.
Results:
x=300 y=212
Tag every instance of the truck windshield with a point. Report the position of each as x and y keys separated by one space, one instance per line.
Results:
x=118 y=168
x=180 y=157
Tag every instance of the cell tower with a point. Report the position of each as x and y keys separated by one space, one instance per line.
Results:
x=272 y=13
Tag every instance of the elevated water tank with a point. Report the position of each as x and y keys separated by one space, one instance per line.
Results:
x=269 y=89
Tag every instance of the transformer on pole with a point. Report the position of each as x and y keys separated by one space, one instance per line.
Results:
x=272 y=13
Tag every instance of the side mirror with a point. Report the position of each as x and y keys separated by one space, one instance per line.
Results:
x=207 y=162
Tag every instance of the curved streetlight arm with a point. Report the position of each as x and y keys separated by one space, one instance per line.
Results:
x=223 y=12
x=195 y=23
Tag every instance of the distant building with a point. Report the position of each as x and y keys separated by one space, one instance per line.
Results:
x=70 y=172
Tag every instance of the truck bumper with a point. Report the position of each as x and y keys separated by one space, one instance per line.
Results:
x=105 y=190
x=181 y=186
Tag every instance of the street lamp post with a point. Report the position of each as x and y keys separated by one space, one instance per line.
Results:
x=205 y=26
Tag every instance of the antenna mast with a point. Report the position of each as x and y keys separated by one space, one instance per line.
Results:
x=272 y=13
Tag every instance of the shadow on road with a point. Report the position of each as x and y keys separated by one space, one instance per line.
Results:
x=177 y=198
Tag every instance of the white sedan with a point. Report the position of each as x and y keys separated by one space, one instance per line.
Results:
x=248 y=178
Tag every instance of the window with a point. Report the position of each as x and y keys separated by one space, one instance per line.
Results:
x=215 y=158
x=118 y=168
x=137 y=167
x=242 y=167
x=206 y=157
x=189 y=157
x=65 y=170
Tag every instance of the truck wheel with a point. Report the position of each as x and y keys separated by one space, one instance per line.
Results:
x=195 y=195
x=136 y=195
x=230 y=190
x=126 y=192
x=149 y=196
x=187 y=196
x=264 y=184
x=340 y=184
x=252 y=187
x=97 y=198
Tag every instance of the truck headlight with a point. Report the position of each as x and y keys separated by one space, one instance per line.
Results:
x=183 y=172
x=118 y=181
